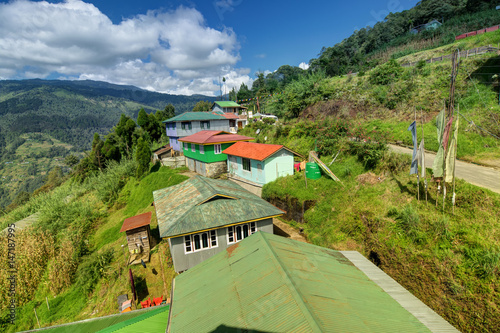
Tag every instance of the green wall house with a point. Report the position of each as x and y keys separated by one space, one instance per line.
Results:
x=203 y=151
x=201 y=217
x=268 y=283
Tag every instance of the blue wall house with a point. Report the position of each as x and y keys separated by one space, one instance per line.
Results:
x=203 y=151
x=259 y=163
x=201 y=217
x=190 y=123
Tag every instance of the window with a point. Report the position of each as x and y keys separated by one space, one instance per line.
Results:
x=217 y=149
x=186 y=125
x=193 y=147
x=246 y=164
x=240 y=231
x=199 y=242
x=186 y=146
x=202 y=149
x=205 y=125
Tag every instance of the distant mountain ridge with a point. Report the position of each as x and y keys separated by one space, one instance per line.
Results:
x=72 y=111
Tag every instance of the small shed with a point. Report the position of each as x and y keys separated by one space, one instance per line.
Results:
x=138 y=232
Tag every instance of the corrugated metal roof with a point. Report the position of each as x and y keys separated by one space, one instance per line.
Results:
x=202 y=203
x=254 y=151
x=212 y=137
x=230 y=116
x=190 y=116
x=115 y=322
x=136 y=221
x=274 y=284
x=226 y=104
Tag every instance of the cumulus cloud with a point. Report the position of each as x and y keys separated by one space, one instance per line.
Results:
x=173 y=51
x=304 y=65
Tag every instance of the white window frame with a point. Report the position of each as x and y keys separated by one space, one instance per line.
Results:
x=190 y=241
x=202 y=149
x=236 y=233
x=218 y=148
x=193 y=148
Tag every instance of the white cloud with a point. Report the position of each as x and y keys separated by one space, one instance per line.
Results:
x=170 y=51
x=304 y=65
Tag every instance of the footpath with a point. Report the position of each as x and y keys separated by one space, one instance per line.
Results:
x=482 y=176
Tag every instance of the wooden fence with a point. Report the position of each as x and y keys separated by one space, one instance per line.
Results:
x=463 y=54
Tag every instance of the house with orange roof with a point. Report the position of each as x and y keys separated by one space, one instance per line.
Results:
x=203 y=151
x=259 y=163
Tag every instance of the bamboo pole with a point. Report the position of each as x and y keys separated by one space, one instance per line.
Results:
x=454 y=167
x=36 y=316
x=418 y=176
x=423 y=166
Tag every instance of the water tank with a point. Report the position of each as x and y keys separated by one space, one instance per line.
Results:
x=312 y=170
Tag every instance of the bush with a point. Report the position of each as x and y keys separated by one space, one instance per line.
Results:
x=386 y=73
x=93 y=268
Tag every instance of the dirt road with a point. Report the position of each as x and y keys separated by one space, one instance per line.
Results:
x=478 y=175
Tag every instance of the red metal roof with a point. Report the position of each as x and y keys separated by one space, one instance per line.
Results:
x=252 y=150
x=227 y=115
x=137 y=221
x=212 y=137
x=163 y=150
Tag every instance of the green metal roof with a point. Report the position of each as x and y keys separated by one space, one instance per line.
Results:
x=226 y=104
x=274 y=284
x=154 y=318
x=202 y=203
x=191 y=116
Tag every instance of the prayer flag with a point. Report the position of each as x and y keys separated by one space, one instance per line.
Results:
x=451 y=155
x=438 y=165
x=414 y=160
x=421 y=158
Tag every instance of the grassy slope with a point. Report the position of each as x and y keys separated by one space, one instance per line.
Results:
x=74 y=304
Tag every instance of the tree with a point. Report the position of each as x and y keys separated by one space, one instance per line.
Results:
x=168 y=113
x=71 y=160
x=142 y=157
x=244 y=92
x=142 y=118
x=232 y=95
x=96 y=153
x=125 y=130
x=202 y=106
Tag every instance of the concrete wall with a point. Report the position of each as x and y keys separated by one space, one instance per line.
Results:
x=174 y=162
x=183 y=261
x=278 y=165
x=206 y=169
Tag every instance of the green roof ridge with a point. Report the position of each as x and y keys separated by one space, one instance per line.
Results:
x=134 y=320
x=313 y=321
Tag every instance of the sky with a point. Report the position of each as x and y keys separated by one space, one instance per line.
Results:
x=176 y=47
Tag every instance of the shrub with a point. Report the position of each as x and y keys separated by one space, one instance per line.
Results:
x=93 y=268
x=386 y=73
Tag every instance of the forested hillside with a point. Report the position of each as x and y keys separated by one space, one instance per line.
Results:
x=72 y=111
x=43 y=122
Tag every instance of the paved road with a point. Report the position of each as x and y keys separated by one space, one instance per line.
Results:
x=478 y=175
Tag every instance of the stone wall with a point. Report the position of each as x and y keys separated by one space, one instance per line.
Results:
x=294 y=209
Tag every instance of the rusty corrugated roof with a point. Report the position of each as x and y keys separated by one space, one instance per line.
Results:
x=202 y=203
x=136 y=221
x=212 y=137
x=270 y=283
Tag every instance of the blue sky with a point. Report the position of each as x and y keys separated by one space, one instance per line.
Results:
x=179 y=47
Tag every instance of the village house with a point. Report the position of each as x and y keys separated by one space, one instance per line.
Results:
x=162 y=152
x=268 y=283
x=190 y=123
x=259 y=163
x=203 y=151
x=201 y=217
x=227 y=107
x=138 y=235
